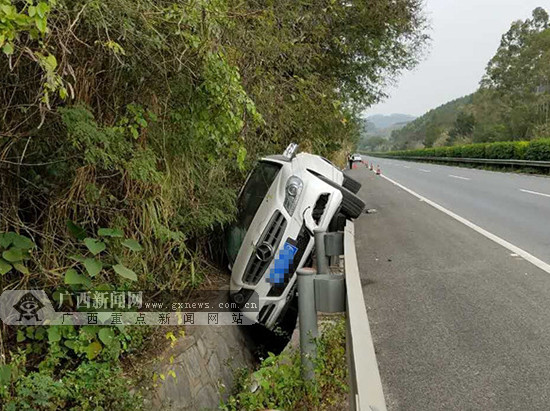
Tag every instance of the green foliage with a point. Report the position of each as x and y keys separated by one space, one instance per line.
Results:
x=106 y=254
x=280 y=384
x=520 y=149
x=36 y=391
x=501 y=150
x=538 y=150
x=92 y=385
x=474 y=151
x=430 y=127
x=111 y=148
x=70 y=343
x=433 y=132
x=463 y=126
x=454 y=151
x=30 y=20
x=162 y=107
x=436 y=152
x=80 y=370
x=374 y=143
x=147 y=115
x=15 y=249
x=517 y=150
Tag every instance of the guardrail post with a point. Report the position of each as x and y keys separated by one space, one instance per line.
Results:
x=320 y=252
x=307 y=316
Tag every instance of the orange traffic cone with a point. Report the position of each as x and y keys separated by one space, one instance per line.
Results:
x=370 y=167
x=354 y=165
x=378 y=172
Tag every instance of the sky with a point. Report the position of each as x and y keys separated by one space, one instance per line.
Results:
x=465 y=36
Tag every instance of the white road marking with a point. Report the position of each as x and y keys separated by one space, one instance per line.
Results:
x=514 y=249
x=534 y=192
x=461 y=178
x=424 y=170
x=406 y=166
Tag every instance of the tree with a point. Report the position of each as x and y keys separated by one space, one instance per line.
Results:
x=513 y=67
x=428 y=127
x=519 y=75
x=368 y=43
x=465 y=123
x=433 y=132
x=375 y=143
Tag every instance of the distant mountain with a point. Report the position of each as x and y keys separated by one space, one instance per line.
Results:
x=382 y=121
x=377 y=129
x=382 y=126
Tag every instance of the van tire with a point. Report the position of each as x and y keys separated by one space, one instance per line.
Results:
x=352 y=185
x=352 y=206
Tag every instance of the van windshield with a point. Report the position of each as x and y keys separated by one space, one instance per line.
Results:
x=249 y=201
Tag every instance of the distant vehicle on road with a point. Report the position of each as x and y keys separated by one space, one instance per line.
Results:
x=356 y=157
x=283 y=200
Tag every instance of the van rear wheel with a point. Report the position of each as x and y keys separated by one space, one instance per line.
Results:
x=352 y=185
x=352 y=206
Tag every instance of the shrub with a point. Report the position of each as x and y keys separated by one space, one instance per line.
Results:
x=440 y=152
x=280 y=384
x=90 y=386
x=473 y=151
x=454 y=151
x=500 y=150
x=538 y=150
x=429 y=152
x=37 y=391
x=529 y=150
x=520 y=148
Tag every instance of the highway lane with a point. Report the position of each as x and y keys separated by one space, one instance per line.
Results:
x=457 y=322
x=515 y=207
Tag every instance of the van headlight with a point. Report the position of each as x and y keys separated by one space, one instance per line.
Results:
x=293 y=190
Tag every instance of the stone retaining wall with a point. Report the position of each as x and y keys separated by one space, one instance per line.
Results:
x=202 y=360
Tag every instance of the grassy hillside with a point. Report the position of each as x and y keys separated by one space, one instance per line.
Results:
x=430 y=127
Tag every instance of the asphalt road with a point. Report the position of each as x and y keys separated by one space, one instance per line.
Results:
x=515 y=207
x=458 y=322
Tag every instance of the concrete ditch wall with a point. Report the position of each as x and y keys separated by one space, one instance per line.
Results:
x=205 y=358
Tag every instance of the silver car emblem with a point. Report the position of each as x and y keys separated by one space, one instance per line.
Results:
x=264 y=252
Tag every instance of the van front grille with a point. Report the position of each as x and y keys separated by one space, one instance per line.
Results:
x=319 y=208
x=269 y=240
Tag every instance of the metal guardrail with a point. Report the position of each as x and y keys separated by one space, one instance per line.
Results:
x=366 y=386
x=523 y=163
x=322 y=291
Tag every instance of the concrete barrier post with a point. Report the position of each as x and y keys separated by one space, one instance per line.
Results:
x=307 y=316
x=320 y=252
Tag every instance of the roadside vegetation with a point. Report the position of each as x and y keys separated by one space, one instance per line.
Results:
x=126 y=129
x=278 y=384
x=536 y=150
x=511 y=104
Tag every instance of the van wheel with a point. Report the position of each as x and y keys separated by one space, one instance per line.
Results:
x=352 y=206
x=352 y=185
